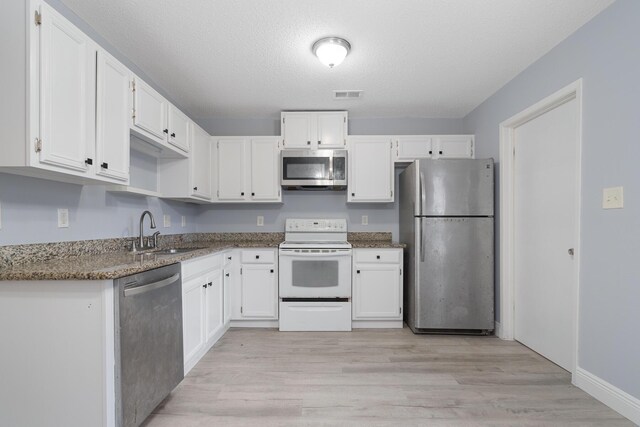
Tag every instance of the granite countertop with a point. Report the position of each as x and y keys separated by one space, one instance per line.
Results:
x=113 y=265
x=106 y=259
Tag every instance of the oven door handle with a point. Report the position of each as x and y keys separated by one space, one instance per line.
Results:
x=315 y=254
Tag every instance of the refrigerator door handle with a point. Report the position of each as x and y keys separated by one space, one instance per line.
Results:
x=422 y=233
x=422 y=195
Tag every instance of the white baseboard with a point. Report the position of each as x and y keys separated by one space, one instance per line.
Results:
x=254 y=323
x=618 y=400
x=377 y=324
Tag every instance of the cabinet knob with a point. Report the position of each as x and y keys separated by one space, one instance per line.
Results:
x=319 y=142
x=271 y=270
x=242 y=194
x=166 y=131
x=440 y=152
x=430 y=151
x=229 y=258
x=204 y=286
x=227 y=274
x=173 y=135
x=88 y=161
x=308 y=142
x=353 y=194
x=195 y=188
x=378 y=256
x=358 y=271
x=105 y=165
x=253 y=194
x=257 y=256
x=210 y=284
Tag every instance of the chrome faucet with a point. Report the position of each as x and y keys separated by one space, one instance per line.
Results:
x=141 y=244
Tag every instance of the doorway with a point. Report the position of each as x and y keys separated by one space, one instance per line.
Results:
x=540 y=194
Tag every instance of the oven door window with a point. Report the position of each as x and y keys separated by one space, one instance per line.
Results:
x=311 y=168
x=315 y=274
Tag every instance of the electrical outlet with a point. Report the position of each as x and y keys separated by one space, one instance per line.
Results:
x=612 y=198
x=167 y=221
x=260 y=221
x=365 y=219
x=63 y=218
x=184 y=221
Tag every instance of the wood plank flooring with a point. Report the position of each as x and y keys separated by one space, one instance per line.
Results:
x=258 y=377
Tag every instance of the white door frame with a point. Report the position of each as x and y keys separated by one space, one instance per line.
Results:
x=507 y=176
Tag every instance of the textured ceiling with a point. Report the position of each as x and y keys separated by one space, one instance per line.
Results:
x=412 y=58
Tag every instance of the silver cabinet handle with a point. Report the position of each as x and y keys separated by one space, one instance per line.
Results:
x=151 y=286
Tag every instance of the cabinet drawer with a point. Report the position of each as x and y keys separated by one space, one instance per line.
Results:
x=378 y=255
x=200 y=265
x=258 y=256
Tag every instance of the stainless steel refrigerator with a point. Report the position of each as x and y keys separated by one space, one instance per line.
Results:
x=446 y=221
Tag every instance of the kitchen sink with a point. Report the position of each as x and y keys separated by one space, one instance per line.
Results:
x=174 y=251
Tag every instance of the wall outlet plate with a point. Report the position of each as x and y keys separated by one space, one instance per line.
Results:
x=184 y=221
x=365 y=219
x=167 y=221
x=63 y=218
x=613 y=198
x=260 y=221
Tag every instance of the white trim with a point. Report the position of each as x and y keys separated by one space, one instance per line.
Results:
x=255 y=323
x=506 y=164
x=377 y=324
x=498 y=330
x=608 y=394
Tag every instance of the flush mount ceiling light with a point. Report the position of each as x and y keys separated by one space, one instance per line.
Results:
x=331 y=51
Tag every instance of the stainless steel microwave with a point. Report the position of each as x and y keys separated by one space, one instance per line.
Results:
x=314 y=169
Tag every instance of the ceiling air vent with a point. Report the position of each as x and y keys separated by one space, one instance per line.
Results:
x=347 y=94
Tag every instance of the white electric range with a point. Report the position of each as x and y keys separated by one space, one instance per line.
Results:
x=315 y=276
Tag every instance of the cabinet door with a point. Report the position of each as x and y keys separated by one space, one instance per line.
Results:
x=454 y=147
x=226 y=294
x=259 y=291
x=150 y=111
x=179 y=128
x=193 y=317
x=377 y=291
x=67 y=93
x=409 y=148
x=370 y=170
x=265 y=167
x=299 y=130
x=332 y=130
x=214 y=303
x=113 y=107
x=230 y=169
x=200 y=163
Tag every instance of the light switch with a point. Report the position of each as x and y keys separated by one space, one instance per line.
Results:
x=184 y=221
x=63 y=218
x=365 y=219
x=260 y=221
x=612 y=198
x=167 y=221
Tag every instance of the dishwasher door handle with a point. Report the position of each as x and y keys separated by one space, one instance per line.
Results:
x=151 y=286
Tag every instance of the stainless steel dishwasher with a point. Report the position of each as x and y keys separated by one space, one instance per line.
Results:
x=149 y=353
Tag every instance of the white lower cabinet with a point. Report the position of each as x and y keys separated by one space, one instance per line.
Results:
x=202 y=306
x=254 y=297
x=377 y=288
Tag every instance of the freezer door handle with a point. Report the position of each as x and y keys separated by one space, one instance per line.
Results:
x=422 y=195
x=421 y=247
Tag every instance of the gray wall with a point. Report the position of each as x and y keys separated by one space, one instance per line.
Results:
x=605 y=53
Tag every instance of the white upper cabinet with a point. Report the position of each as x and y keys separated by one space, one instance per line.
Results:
x=67 y=94
x=454 y=146
x=231 y=169
x=247 y=169
x=265 y=171
x=200 y=163
x=178 y=129
x=370 y=171
x=314 y=130
x=113 y=106
x=150 y=112
x=411 y=147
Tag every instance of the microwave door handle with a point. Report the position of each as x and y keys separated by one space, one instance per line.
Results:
x=331 y=168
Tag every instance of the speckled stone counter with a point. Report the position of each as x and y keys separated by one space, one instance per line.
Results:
x=377 y=240
x=108 y=259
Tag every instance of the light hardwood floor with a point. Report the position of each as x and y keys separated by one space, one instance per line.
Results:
x=263 y=377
